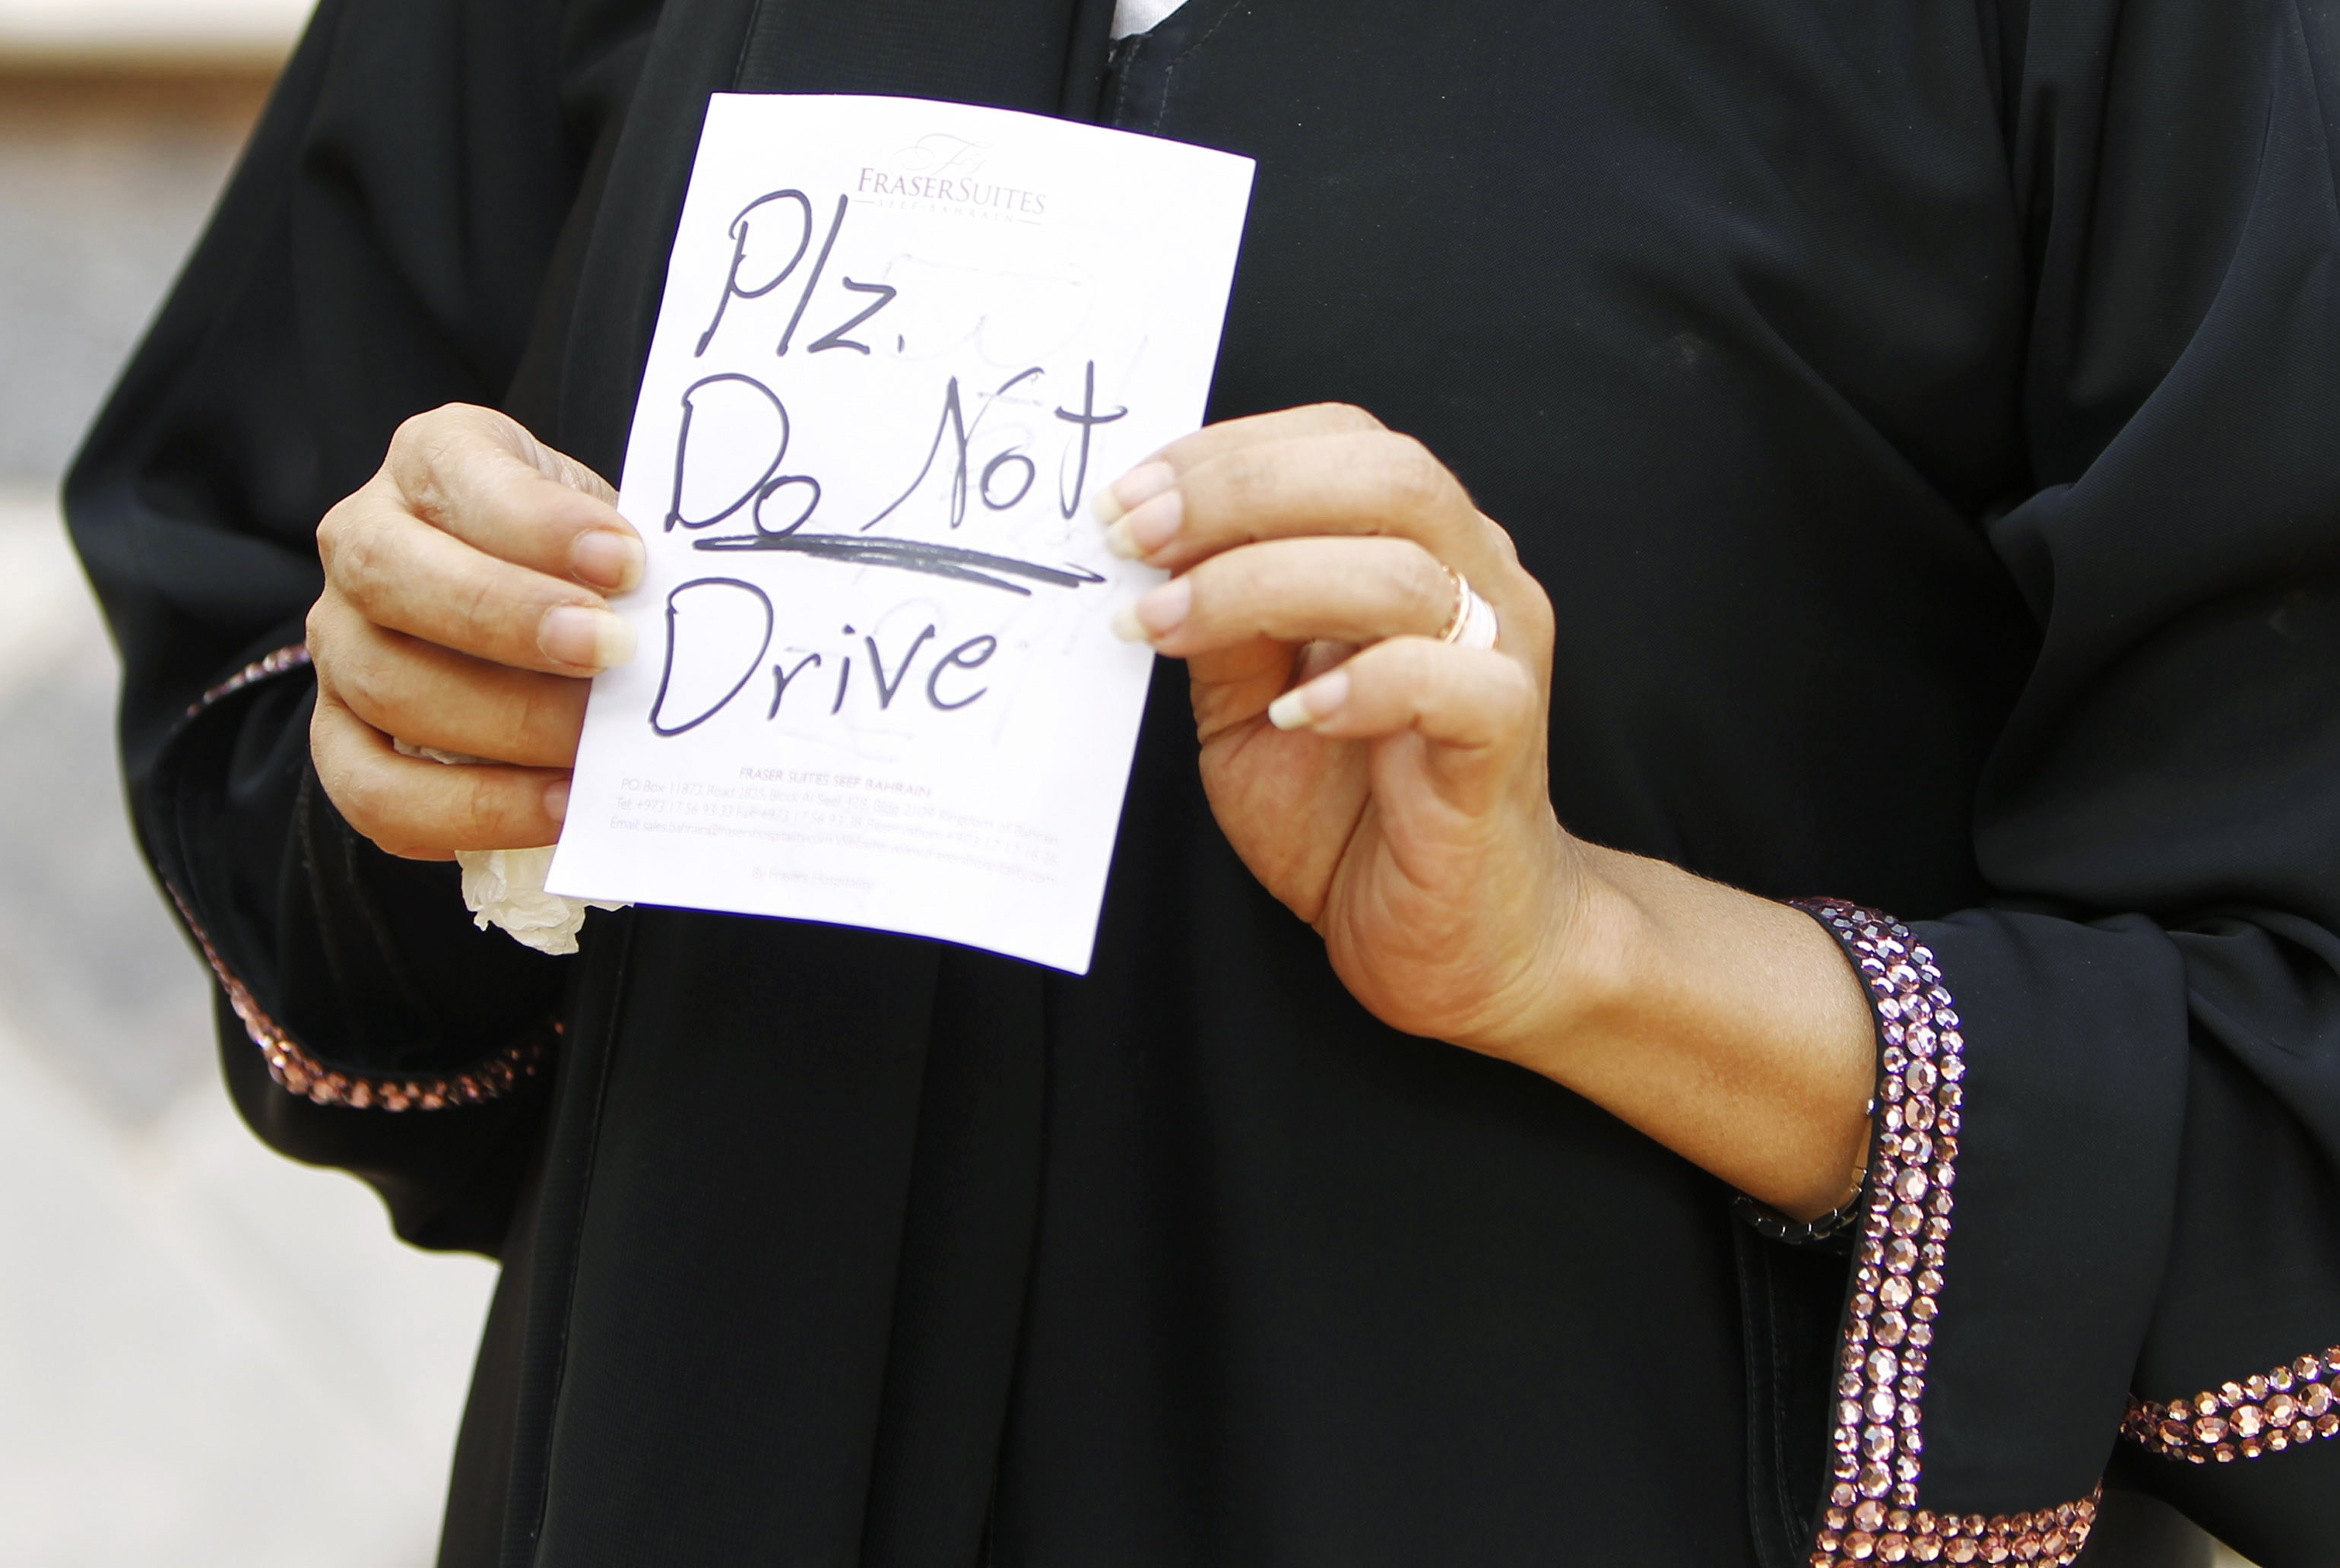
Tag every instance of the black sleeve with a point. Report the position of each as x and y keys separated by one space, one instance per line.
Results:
x=2105 y=1221
x=380 y=251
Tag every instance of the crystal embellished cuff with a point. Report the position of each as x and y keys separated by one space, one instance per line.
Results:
x=295 y=1068
x=1873 y=1512
x=2266 y=1413
x=291 y=656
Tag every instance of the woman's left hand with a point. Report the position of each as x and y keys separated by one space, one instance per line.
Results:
x=1397 y=798
x=1392 y=788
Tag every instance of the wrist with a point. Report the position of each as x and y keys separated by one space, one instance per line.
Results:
x=1588 y=973
x=1724 y=1025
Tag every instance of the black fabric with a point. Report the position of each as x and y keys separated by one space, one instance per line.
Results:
x=1790 y=1301
x=1922 y=420
x=2136 y=1530
x=379 y=252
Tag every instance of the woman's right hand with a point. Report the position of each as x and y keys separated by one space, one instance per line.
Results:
x=463 y=611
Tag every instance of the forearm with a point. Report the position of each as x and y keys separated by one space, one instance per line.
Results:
x=1725 y=1026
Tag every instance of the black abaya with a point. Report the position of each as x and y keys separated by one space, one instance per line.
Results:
x=1924 y=420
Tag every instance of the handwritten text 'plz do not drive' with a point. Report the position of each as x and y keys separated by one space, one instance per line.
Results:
x=901 y=343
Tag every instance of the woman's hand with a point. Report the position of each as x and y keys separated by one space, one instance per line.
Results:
x=463 y=611
x=1391 y=789
x=1400 y=807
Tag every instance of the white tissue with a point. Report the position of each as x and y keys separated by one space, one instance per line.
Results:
x=505 y=887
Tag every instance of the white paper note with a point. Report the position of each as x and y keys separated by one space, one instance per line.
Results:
x=901 y=343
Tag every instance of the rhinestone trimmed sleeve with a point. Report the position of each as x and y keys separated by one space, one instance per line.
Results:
x=293 y=656
x=1877 y=1444
x=2266 y=1412
x=296 y=1070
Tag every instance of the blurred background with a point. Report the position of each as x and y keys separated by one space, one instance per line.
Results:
x=208 y=1355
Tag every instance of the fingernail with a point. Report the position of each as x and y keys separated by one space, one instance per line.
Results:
x=1305 y=707
x=1156 y=615
x=1147 y=526
x=587 y=638
x=556 y=800
x=607 y=559
x=1133 y=489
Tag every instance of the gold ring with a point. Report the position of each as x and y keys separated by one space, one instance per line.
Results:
x=1473 y=624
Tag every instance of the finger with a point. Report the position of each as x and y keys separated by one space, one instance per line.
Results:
x=1233 y=686
x=1295 y=591
x=1160 y=471
x=399 y=572
x=1232 y=435
x=1467 y=699
x=479 y=476
x=434 y=696
x=425 y=810
x=1371 y=482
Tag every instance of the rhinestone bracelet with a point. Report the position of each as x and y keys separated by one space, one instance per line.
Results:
x=1832 y=1226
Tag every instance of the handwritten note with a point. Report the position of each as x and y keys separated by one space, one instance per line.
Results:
x=901 y=343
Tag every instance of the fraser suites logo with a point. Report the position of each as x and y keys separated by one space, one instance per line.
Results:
x=943 y=172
